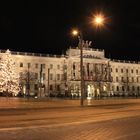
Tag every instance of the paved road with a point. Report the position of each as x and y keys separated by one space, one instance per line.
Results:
x=105 y=122
x=118 y=129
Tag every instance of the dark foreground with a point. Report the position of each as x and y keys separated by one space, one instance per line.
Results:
x=119 y=121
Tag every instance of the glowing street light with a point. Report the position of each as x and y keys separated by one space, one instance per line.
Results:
x=98 y=20
x=75 y=32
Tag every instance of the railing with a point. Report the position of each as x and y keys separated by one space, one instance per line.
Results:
x=125 y=61
x=33 y=54
x=90 y=49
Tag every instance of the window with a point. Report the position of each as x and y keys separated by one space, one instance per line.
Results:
x=133 y=88
x=116 y=70
x=117 y=88
x=28 y=65
x=36 y=65
x=62 y=76
x=74 y=75
x=58 y=76
x=128 y=88
x=74 y=66
x=65 y=66
x=122 y=79
x=51 y=66
x=21 y=64
x=137 y=71
x=132 y=79
x=127 y=79
x=43 y=66
x=122 y=88
x=121 y=70
x=111 y=70
x=137 y=79
x=116 y=79
x=51 y=87
x=58 y=66
x=58 y=87
x=131 y=70
x=51 y=76
x=126 y=70
x=138 y=88
x=36 y=75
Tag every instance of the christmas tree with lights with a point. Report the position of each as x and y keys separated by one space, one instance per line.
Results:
x=9 y=77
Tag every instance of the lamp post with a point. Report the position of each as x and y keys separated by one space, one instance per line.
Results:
x=28 y=81
x=48 y=82
x=81 y=69
x=40 y=80
x=80 y=37
x=98 y=20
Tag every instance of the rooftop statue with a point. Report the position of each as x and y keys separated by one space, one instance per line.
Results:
x=85 y=44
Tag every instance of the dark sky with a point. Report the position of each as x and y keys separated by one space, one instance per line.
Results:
x=45 y=26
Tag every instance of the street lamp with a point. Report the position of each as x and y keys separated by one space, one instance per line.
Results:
x=80 y=37
x=98 y=21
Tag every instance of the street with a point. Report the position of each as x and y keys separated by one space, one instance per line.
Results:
x=107 y=121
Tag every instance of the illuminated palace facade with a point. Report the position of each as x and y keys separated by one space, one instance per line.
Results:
x=52 y=75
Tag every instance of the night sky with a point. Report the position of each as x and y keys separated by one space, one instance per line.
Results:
x=45 y=26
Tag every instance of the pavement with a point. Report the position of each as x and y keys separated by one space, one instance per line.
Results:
x=21 y=103
x=64 y=119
